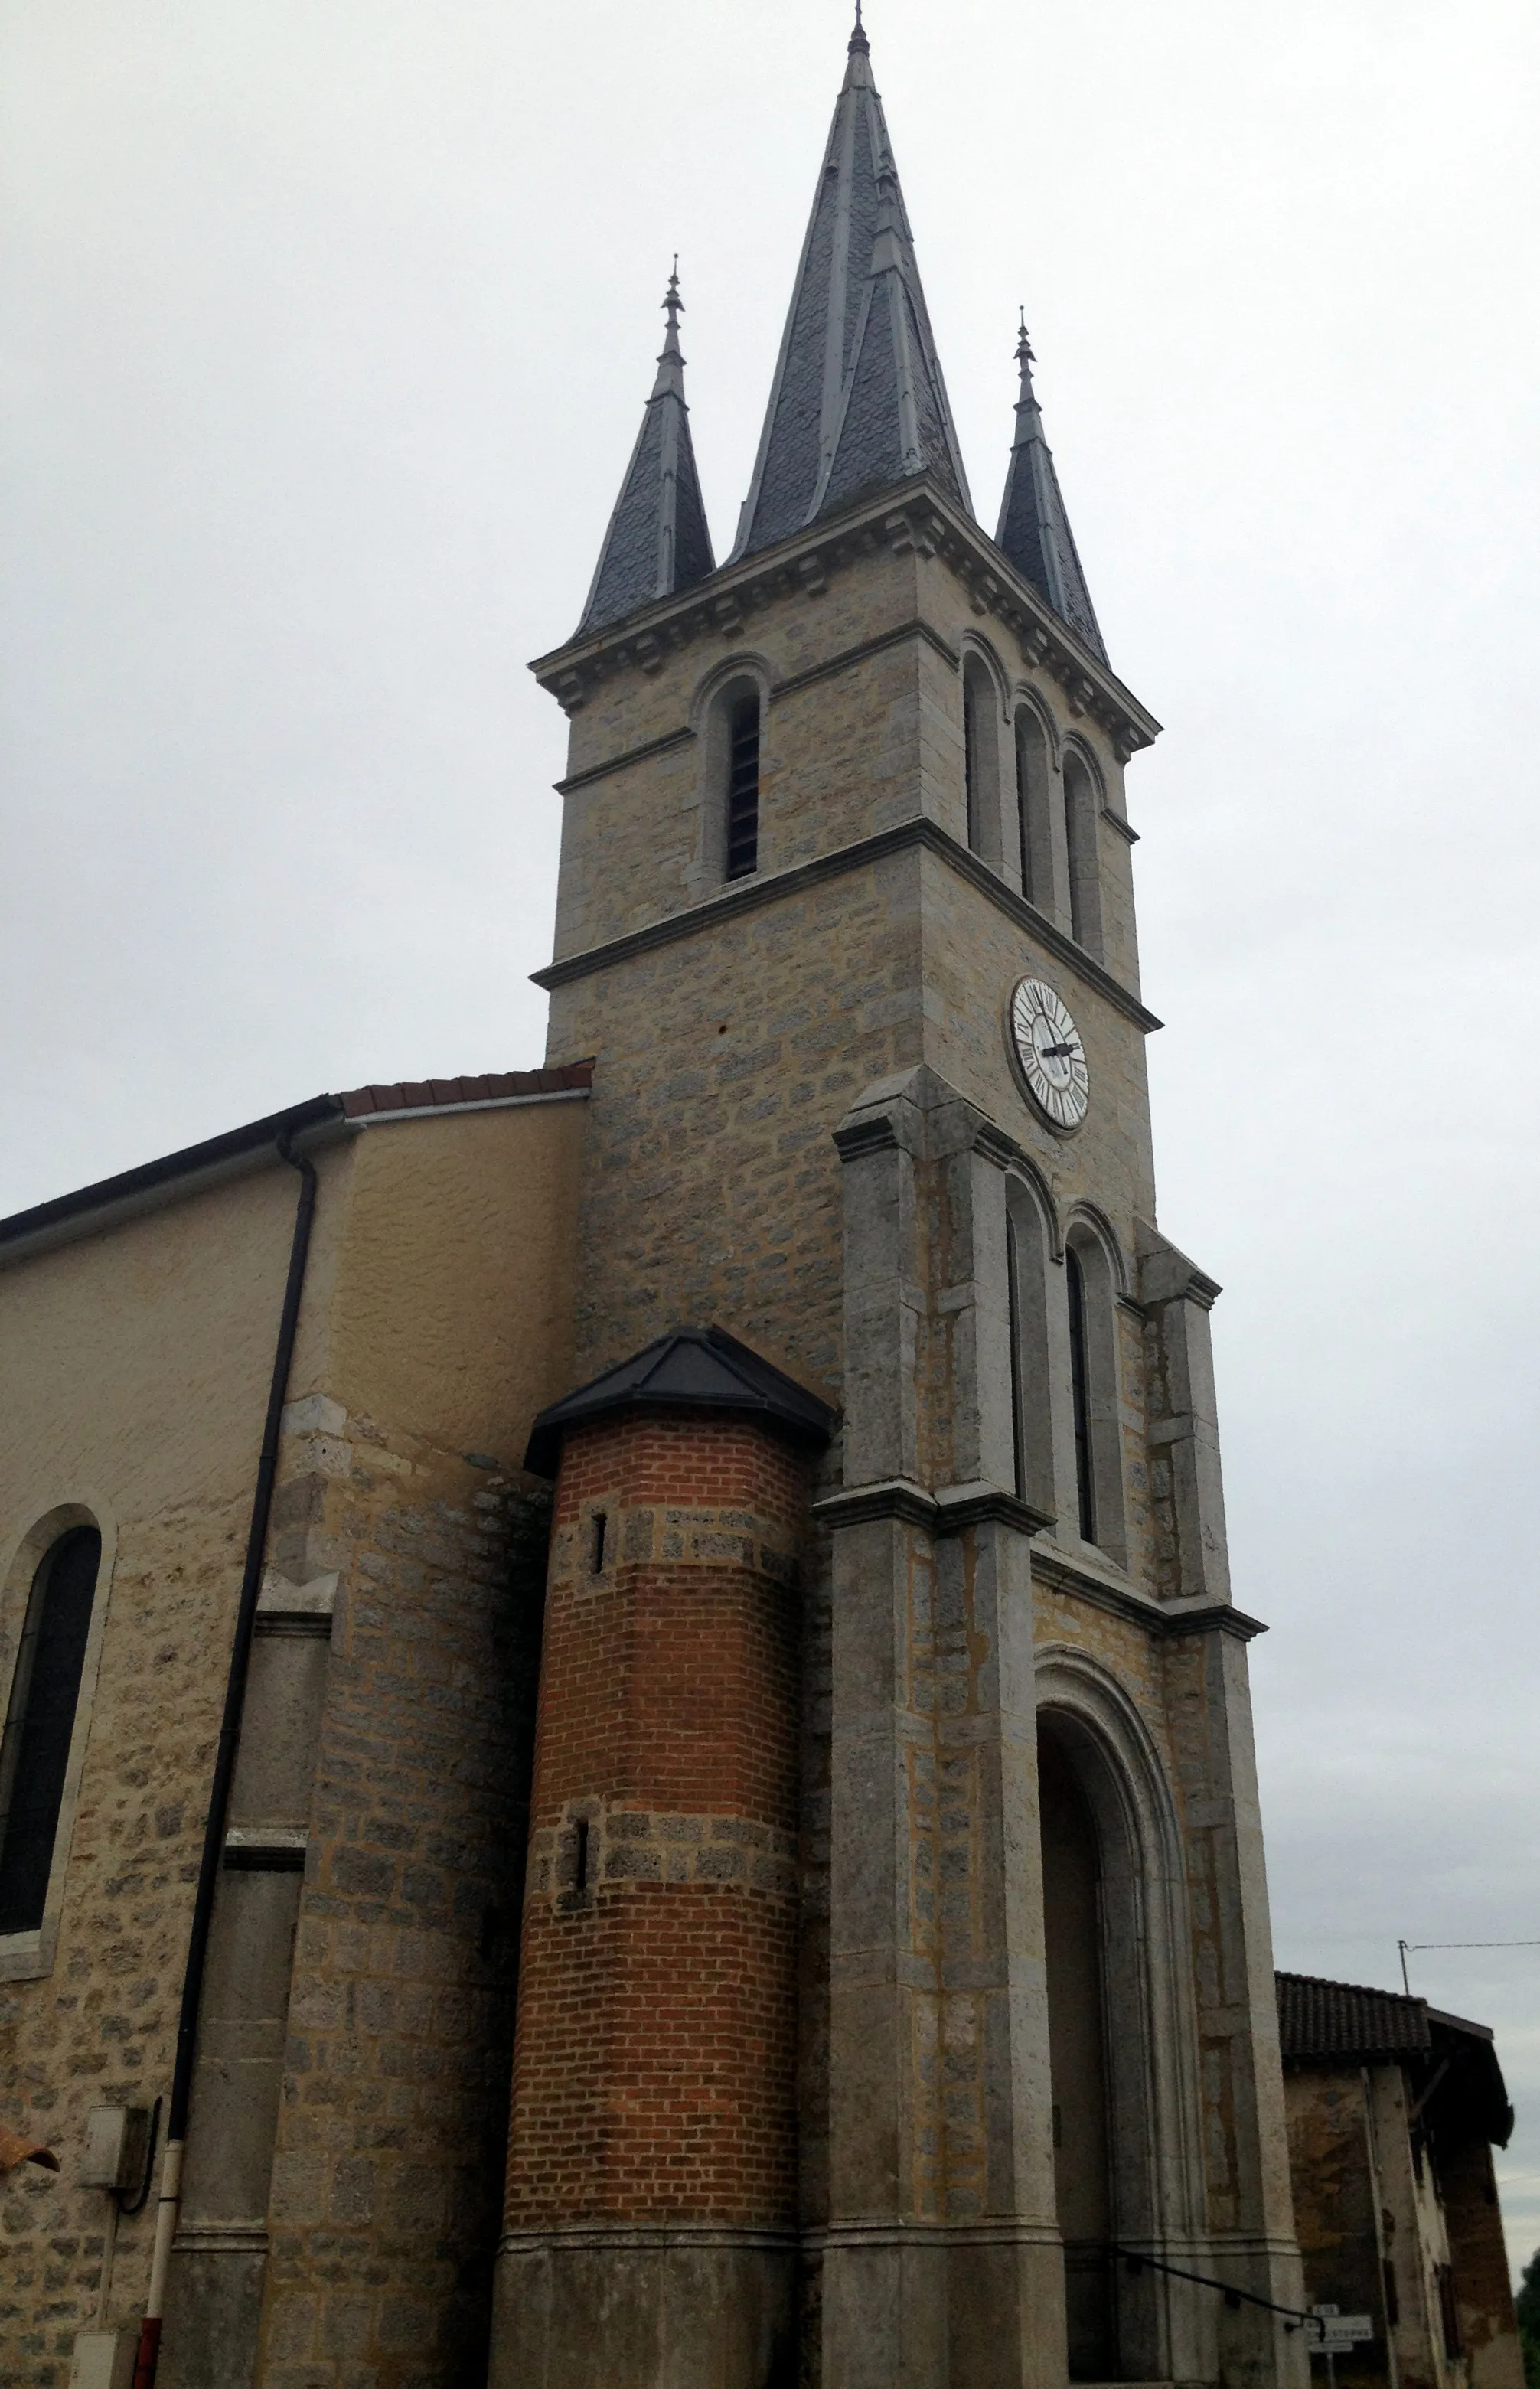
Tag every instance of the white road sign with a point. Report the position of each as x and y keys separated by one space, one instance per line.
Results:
x=1337 y=2333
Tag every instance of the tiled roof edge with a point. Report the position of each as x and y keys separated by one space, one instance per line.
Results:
x=446 y=1094
x=216 y=1153
x=240 y=1149
x=1320 y=2019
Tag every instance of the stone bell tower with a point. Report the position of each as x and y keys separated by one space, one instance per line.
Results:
x=896 y=2000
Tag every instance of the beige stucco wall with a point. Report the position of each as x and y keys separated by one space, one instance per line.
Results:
x=133 y=1379
x=452 y=1312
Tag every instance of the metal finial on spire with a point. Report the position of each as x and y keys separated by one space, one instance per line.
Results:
x=1023 y=346
x=858 y=38
x=673 y=305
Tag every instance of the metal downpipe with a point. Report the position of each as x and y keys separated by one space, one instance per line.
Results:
x=169 y=2206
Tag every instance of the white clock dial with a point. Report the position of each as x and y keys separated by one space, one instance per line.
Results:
x=1046 y=1045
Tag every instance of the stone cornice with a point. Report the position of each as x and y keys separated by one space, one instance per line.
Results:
x=748 y=895
x=915 y=516
x=897 y=1498
x=791 y=685
x=1064 y=1574
x=951 y=1510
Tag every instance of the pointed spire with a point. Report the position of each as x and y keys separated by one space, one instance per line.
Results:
x=858 y=400
x=1034 y=529
x=658 y=541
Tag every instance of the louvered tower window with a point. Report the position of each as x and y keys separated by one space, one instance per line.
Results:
x=743 y=788
x=40 y=1723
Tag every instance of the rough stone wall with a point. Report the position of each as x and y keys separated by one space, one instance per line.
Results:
x=1412 y=2233
x=133 y=1380
x=1336 y=2206
x=1483 y=2292
x=449 y=1309
x=712 y=1190
x=133 y=1377
x=656 y=2056
x=837 y=753
x=383 y=2213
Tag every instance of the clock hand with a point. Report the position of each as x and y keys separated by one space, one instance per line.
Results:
x=1056 y=1052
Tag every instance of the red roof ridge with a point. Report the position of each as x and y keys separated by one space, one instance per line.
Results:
x=450 y=1095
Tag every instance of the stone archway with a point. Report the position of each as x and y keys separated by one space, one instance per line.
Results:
x=1125 y=2087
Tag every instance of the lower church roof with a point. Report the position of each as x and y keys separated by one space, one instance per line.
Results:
x=242 y=1148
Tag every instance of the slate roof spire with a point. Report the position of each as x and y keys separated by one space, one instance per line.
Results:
x=1034 y=529
x=658 y=541
x=857 y=399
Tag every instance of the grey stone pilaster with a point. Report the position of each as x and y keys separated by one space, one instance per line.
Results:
x=1250 y=2200
x=883 y=1304
x=940 y=2253
x=1184 y=1432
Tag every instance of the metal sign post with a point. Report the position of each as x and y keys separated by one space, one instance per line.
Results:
x=1337 y=2334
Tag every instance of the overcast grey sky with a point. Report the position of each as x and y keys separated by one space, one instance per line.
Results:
x=327 y=328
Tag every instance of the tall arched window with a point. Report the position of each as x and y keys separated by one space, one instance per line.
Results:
x=1031 y=1377
x=1095 y=1400
x=742 y=809
x=1080 y=1397
x=981 y=760
x=1034 y=818
x=1072 y=1933
x=1082 y=803
x=40 y=1723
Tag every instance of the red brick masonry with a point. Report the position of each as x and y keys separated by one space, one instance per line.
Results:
x=654 y=2069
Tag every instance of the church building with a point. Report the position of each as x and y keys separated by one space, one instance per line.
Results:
x=628 y=1760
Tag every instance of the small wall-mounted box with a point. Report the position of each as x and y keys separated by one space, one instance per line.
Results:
x=116 y=2139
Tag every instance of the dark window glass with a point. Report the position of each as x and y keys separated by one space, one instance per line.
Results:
x=1080 y=1396
x=970 y=759
x=743 y=788
x=1033 y=878
x=40 y=1722
x=1018 y=1405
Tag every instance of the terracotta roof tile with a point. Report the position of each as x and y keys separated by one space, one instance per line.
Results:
x=1318 y=2019
x=444 y=1094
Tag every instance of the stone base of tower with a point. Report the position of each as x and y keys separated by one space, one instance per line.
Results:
x=944 y=2306
x=634 y=2307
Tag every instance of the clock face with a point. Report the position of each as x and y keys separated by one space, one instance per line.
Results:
x=1052 y=1059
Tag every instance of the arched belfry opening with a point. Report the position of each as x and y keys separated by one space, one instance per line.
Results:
x=1074 y=1935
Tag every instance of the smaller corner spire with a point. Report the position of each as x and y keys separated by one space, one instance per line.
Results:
x=657 y=541
x=1033 y=528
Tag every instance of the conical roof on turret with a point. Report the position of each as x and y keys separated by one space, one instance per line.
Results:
x=858 y=398
x=1034 y=529
x=658 y=541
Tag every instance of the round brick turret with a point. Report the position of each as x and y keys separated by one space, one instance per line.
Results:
x=654 y=2072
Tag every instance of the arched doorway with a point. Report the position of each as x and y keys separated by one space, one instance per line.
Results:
x=1077 y=2044
x=1127 y=2162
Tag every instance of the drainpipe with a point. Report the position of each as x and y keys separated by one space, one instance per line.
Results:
x=149 y=2357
